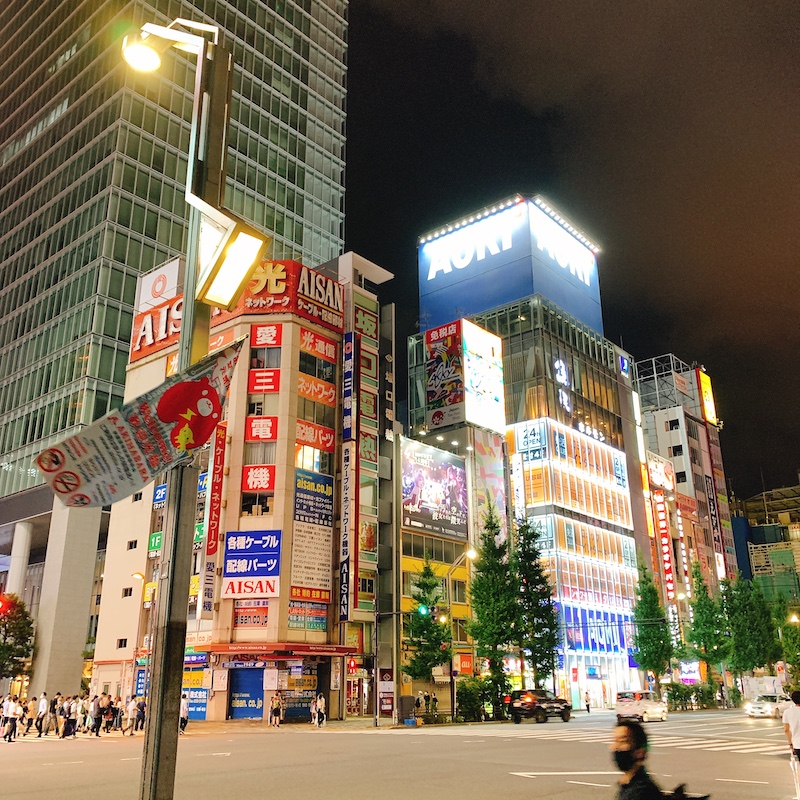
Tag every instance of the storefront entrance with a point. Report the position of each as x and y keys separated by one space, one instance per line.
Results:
x=358 y=697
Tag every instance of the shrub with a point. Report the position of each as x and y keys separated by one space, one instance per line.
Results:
x=471 y=694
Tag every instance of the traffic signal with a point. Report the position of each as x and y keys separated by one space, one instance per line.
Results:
x=423 y=611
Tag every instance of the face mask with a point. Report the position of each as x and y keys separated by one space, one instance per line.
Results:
x=624 y=759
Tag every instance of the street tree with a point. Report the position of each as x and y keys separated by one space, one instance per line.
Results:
x=493 y=595
x=16 y=636
x=653 y=636
x=537 y=620
x=429 y=637
x=707 y=632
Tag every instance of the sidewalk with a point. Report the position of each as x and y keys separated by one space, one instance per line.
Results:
x=263 y=726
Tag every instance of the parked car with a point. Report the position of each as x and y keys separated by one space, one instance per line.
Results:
x=643 y=705
x=539 y=704
x=767 y=705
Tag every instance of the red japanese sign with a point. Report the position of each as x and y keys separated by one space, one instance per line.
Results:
x=263 y=381
x=314 y=389
x=313 y=435
x=289 y=287
x=662 y=522
x=258 y=478
x=261 y=429
x=156 y=328
x=266 y=335
x=316 y=345
x=215 y=494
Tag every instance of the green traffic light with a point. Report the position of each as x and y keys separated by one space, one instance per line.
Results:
x=422 y=611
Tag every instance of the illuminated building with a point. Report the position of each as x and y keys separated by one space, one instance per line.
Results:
x=92 y=168
x=681 y=425
x=522 y=271
x=294 y=469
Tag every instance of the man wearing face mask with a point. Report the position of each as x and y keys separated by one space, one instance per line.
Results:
x=629 y=751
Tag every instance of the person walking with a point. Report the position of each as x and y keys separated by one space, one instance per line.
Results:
x=791 y=724
x=96 y=713
x=131 y=726
x=435 y=705
x=12 y=711
x=586 y=700
x=629 y=751
x=320 y=710
x=108 y=714
x=314 y=710
x=41 y=714
x=52 y=718
x=141 y=715
x=184 y=713
x=32 y=708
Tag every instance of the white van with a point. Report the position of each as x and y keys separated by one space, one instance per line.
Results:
x=643 y=706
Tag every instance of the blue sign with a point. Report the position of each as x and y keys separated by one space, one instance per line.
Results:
x=202 y=483
x=160 y=494
x=198 y=703
x=195 y=658
x=348 y=388
x=522 y=248
x=594 y=631
x=252 y=554
x=246 y=693
x=313 y=498
x=140 y=682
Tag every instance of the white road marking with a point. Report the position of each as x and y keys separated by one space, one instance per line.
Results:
x=586 y=783
x=557 y=774
x=138 y=758
x=734 y=780
x=60 y=763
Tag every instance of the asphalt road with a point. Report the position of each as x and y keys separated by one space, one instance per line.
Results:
x=718 y=752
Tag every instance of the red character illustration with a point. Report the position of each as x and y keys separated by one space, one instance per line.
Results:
x=195 y=407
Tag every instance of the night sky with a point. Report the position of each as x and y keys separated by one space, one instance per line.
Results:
x=668 y=132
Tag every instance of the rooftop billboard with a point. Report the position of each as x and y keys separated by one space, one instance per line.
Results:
x=519 y=248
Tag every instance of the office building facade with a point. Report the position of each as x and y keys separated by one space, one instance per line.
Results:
x=92 y=168
x=572 y=444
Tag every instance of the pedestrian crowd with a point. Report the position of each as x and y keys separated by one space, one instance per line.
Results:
x=66 y=717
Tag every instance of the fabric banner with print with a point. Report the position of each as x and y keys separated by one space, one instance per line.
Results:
x=123 y=451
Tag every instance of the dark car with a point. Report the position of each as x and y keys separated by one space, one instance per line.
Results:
x=539 y=704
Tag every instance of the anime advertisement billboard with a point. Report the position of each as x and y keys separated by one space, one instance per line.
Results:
x=434 y=490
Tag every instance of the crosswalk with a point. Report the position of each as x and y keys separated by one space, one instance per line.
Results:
x=574 y=734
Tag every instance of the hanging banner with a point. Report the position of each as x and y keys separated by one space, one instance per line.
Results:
x=123 y=451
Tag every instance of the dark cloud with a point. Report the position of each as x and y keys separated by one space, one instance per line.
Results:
x=668 y=132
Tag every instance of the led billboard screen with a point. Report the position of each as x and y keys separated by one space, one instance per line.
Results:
x=434 y=490
x=523 y=248
x=484 y=398
x=444 y=375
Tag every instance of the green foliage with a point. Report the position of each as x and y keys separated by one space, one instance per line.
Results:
x=16 y=636
x=493 y=595
x=471 y=696
x=537 y=621
x=708 y=631
x=430 y=640
x=652 y=638
x=753 y=633
x=734 y=697
x=679 y=696
x=791 y=649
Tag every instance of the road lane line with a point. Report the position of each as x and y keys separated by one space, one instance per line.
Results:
x=60 y=763
x=734 y=780
x=138 y=758
x=707 y=743
x=586 y=783
x=558 y=774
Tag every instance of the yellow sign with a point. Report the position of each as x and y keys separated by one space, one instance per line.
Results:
x=194 y=586
x=303 y=683
x=192 y=679
x=150 y=591
x=707 y=397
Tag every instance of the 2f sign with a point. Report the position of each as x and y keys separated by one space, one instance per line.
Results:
x=488 y=237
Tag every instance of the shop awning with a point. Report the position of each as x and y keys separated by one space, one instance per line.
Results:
x=278 y=649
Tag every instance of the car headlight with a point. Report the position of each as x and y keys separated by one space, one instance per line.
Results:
x=767 y=706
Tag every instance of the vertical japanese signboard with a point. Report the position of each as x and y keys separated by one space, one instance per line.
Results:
x=348 y=523
x=312 y=537
x=349 y=390
x=213 y=512
x=252 y=565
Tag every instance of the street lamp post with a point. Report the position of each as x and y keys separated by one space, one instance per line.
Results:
x=222 y=252
x=470 y=554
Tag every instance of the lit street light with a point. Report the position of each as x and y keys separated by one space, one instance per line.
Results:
x=222 y=252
